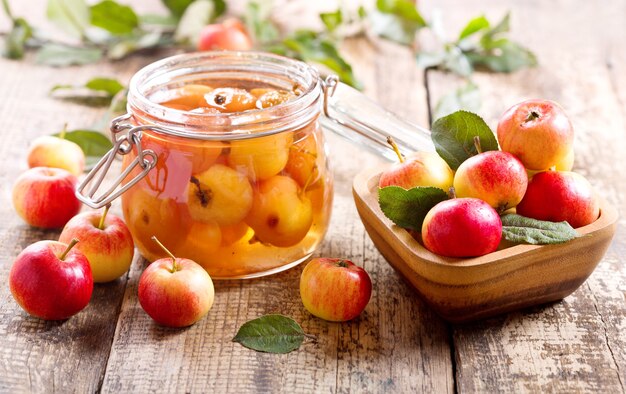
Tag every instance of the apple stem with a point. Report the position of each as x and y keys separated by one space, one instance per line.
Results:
x=479 y=148
x=395 y=148
x=342 y=263
x=452 y=192
x=104 y=215
x=63 y=132
x=174 y=266
x=532 y=116
x=73 y=242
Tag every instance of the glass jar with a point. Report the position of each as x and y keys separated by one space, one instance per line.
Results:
x=244 y=194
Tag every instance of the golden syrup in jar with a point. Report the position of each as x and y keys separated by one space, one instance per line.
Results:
x=238 y=207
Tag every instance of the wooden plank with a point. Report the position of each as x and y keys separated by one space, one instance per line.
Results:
x=577 y=344
x=397 y=344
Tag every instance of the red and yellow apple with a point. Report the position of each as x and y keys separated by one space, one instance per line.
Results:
x=462 y=227
x=51 y=151
x=495 y=177
x=560 y=196
x=105 y=240
x=335 y=289
x=229 y=35
x=175 y=292
x=537 y=132
x=44 y=197
x=50 y=280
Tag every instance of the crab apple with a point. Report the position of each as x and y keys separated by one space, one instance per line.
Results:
x=560 y=195
x=175 y=292
x=51 y=281
x=462 y=227
x=230 y=100
x=537 y=132
x=50 y=151
x=281 y=214
x=496 y=177
x=262 y=157
x=203 y=240
x=224 y=36
x=187 y=97
x=335 y=289
x=105 y=240
x=302 y=162
x=44 y=197
x=220 y=195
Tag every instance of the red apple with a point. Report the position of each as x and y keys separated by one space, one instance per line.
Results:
x=334 y=289
x=50 y=280
x=462 y=227
x=227 y=36
x=175 y=292
x=495 y=177
x=537 y=132
x=418 y=169
x=50 y=151
x=560 y=195
x=105 y=240
x=44 y=197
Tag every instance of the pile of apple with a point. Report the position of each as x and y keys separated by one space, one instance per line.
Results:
x=530 y=173
x=54 y=280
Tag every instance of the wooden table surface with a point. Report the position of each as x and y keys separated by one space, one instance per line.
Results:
x=398 y=344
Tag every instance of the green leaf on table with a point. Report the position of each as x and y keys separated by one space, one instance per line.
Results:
x=474 y=26
x=136 y=42
x=62 y=55
x=504 y=56
x=332 y=20
x=453 y=137
x=456 y=60
x=178 y=7
x=310 y=46
x=199 y=14
x=407 y=208
x=114 y=17
x=271 y=334
x=71 y=16
x=96 y=92
x=520 y=229
x=108 y=85
x=93 y=143
x=165 y=21
x=15 y=41
x=466 y=97
x=259 y=23
x=397 y=20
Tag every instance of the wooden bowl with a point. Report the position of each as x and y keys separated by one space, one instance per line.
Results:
x=510 y=278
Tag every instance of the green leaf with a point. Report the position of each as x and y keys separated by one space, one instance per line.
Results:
x=520 y=229
x=466 y=97
x=507 y=56
x=136 y=42
x=310 y=46
x=166 y=21
x=504 y=26
x=196 y=16
x=407 y=208
x=114 y=17
x=178 y=7
x=332 y=20
x=430 y=59
x=453 y=137
x=457 y=62
x=71 y=16
x=61 y=55
x=93 y=143
x=259 y=23
x=107 y=85
x=474 y=26
x=15 y=41
x=271 y=334
x=396 y=20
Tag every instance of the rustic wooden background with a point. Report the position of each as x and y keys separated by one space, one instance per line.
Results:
x=398 y=344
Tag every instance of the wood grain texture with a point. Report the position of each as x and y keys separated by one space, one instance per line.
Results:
x=575 y=345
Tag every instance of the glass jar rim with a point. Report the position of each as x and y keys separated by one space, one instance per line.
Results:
x=293 y=114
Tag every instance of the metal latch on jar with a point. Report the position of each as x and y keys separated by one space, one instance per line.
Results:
x=123 y=145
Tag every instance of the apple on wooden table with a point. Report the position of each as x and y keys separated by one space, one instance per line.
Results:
x=44 y=197
x=175 y=292
x=335 y=289
x=50 y=280
x=51 y=151
x=105 y=240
